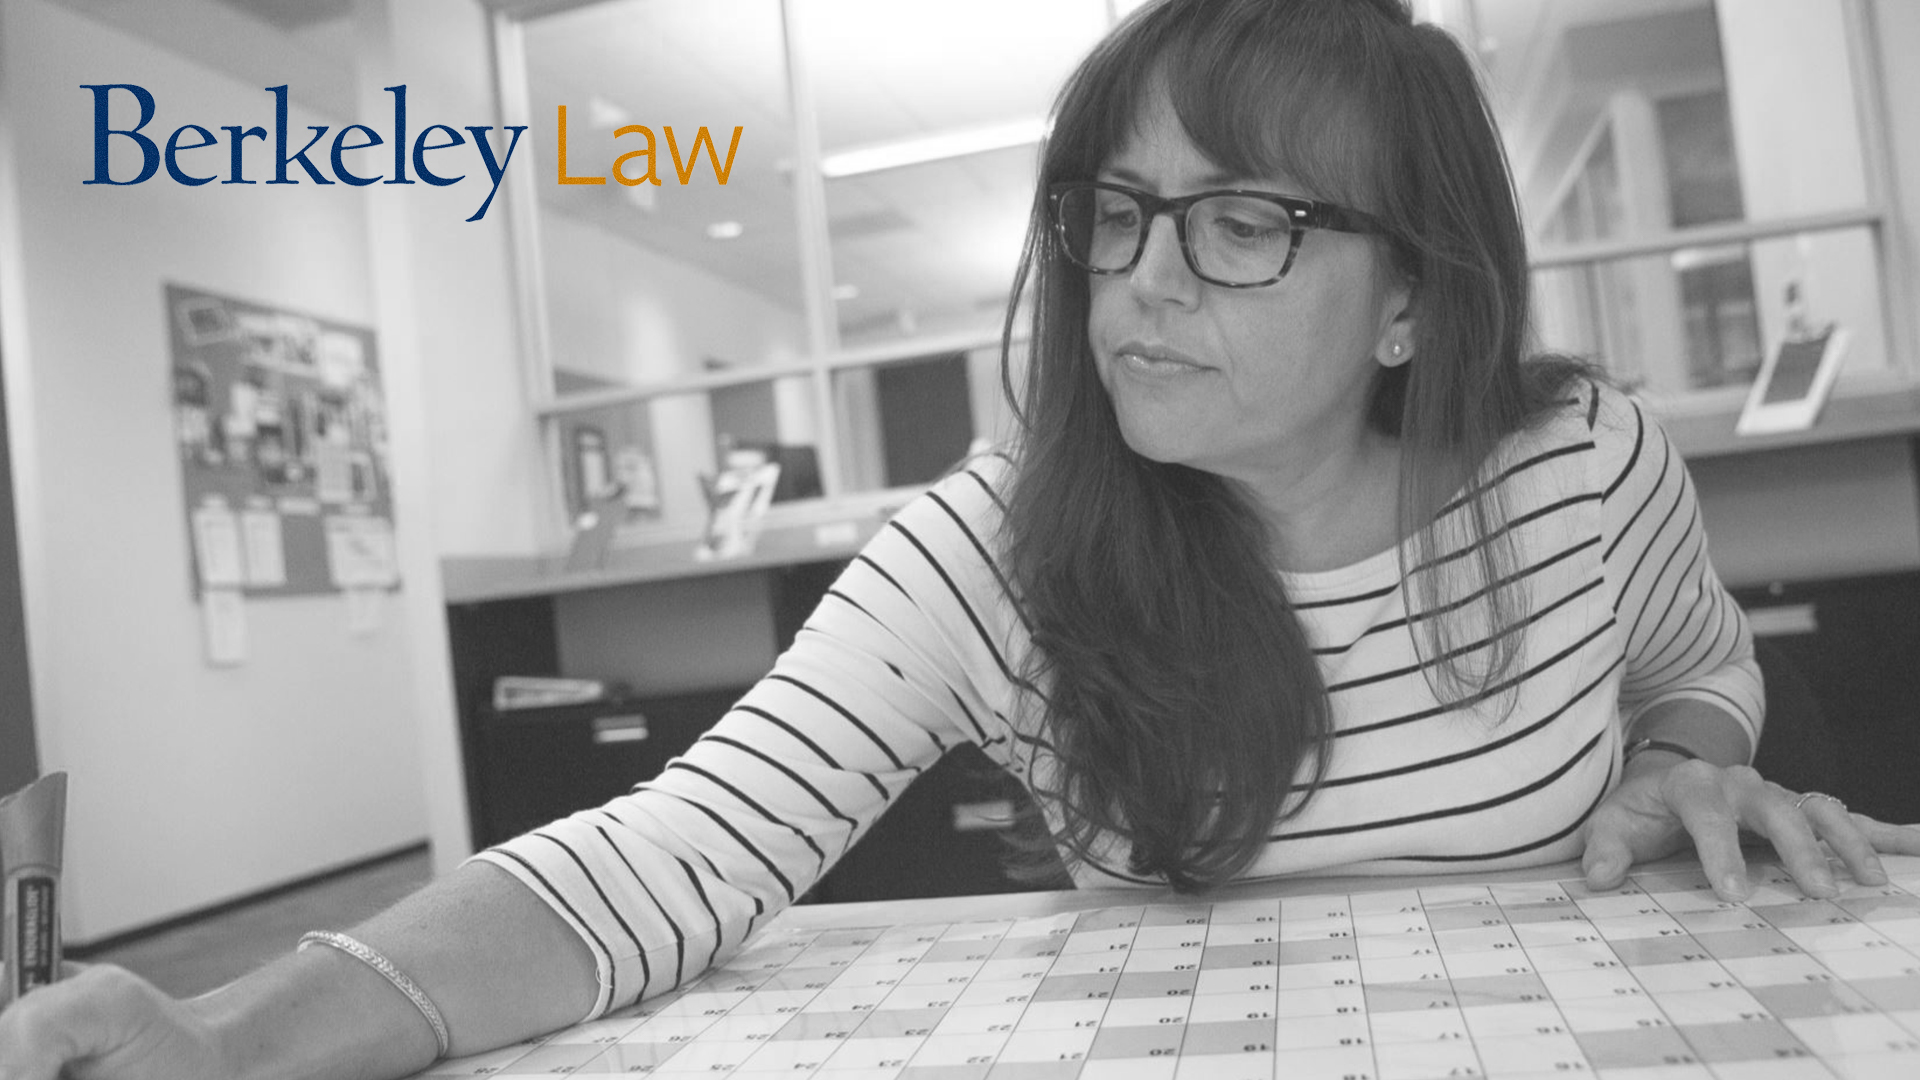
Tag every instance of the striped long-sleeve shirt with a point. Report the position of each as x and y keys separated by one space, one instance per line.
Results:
x=916 y=648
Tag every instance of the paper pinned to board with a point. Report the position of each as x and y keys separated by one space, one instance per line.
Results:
x=360 y=552
x=265 y=547
x=223 y=615
x=217 y=545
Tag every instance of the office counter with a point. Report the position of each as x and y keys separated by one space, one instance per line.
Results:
x=1514 y=974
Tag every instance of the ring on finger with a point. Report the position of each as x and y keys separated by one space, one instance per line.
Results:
x=1797 y=803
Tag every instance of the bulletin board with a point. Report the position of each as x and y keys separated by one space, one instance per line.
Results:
x=281 y=431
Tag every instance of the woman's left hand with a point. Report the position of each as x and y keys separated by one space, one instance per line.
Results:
x=1659 y=807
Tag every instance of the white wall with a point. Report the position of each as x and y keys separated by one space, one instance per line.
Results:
x=191 y=784
x=1897 y=30
x=444 y=301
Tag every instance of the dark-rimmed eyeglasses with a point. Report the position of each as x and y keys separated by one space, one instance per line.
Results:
x=1233 y=238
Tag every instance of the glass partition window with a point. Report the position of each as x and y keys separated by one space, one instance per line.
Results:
x=930 y=116
x=648 y=282
x=1682 y=165
x=1634 y=121
x=928 y=249
x=661 y=299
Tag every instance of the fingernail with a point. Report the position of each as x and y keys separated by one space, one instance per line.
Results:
x=1873 y=874
x=1820 y=883
x=1735 y=886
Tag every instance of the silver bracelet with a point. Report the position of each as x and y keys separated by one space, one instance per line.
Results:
x=1638 y=745
x=366 y=955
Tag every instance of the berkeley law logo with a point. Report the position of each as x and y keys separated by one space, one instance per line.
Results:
x=329 y=163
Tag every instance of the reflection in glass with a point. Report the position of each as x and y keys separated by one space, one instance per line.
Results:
x=651 y=281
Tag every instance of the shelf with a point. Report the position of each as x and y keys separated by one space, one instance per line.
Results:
x=1893 y=410
x=815 y=531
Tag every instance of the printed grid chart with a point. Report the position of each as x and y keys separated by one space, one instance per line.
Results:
x=1658 y=980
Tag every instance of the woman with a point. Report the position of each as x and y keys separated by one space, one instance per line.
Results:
x=1296 y=567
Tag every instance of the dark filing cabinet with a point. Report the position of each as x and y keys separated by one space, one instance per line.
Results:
x=1844 y=655
x=947 y=835
x=535 y=765
x=942 y=837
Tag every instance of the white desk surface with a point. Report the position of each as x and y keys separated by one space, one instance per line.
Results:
x=1514 y=975
x=1033 y=904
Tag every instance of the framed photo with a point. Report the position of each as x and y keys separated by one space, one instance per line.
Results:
x=592 y=468
x=204 y=321
x=1793 y=384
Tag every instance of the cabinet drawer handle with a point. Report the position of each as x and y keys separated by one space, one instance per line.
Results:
x=618 y=729
x=982 y=816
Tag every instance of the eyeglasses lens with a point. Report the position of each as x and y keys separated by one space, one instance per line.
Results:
x=1230 y=239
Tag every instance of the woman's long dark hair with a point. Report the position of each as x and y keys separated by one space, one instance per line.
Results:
x=1182 y=702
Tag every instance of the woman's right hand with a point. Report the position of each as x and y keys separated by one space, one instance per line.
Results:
x=105 y=1023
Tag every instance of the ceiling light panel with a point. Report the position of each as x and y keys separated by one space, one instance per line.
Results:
x=885 y=71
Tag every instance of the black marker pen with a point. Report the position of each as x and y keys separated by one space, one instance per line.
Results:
x=32 y=827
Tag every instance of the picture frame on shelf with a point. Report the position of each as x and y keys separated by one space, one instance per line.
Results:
x=1794 y=383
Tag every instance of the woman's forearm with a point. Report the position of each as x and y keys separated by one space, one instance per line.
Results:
x=1712 y=733
x=495 y=960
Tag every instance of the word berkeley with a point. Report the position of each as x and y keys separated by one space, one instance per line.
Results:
x=363 y=137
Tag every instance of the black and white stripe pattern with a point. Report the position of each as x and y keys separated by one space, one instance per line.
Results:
x=917 y=648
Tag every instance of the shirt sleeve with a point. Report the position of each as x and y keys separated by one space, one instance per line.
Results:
x=1685 y=638
x=898 y=663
